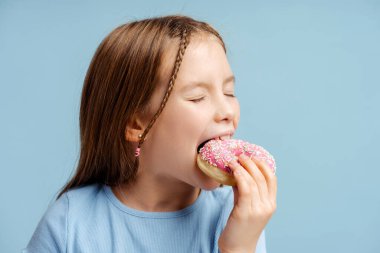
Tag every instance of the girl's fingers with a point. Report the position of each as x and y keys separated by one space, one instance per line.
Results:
x=256 y=174
x=270 y=177
x=245 y=184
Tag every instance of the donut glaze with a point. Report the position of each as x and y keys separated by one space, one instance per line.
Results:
x=214 y=156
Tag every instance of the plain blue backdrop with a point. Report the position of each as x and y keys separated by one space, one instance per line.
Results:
x=308 y=78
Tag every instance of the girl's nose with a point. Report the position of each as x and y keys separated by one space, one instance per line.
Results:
x=224 y=109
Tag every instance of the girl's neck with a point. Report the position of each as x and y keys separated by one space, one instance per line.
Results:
x=153 y=195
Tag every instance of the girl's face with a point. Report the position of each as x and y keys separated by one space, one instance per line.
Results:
x=201 y=106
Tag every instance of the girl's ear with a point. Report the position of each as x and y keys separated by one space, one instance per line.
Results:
x=133 y=129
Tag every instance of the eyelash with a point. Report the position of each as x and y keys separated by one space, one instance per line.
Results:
x=200 y=99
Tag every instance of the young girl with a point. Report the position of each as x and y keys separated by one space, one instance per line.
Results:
x=137 y=187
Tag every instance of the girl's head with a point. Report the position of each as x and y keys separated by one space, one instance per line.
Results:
x=165 y=79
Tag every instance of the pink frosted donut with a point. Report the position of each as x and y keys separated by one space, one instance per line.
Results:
x=214 y=156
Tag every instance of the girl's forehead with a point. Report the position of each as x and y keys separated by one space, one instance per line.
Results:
x=197 y=45
x=204 y=61
x=203 y=53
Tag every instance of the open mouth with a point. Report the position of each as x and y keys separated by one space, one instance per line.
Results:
x=202 y=144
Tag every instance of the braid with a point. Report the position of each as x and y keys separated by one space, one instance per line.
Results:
x=181 y=51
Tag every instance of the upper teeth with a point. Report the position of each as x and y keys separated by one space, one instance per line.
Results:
x=224 y=137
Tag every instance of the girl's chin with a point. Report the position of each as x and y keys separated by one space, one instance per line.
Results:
x=209 y=184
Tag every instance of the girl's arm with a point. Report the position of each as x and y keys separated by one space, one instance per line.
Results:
x=254 y=204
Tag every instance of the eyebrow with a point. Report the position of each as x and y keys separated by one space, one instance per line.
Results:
x=203 y=84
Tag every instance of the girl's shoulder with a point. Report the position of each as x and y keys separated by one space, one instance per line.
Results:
x=75 y=206
x=84 y=200
x=76 y=197
x=84 y=193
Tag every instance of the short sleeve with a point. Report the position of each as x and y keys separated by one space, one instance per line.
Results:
x=51 y=232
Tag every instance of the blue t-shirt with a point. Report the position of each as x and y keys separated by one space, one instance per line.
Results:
x=92 y=219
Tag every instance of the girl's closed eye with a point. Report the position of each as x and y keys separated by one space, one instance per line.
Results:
x=197 y=100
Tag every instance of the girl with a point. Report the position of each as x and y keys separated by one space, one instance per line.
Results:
x=130 y=197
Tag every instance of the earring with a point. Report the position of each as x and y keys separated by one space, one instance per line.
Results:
x=138 y=149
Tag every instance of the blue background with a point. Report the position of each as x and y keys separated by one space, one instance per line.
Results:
x=308 y=78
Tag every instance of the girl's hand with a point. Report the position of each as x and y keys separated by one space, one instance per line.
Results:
x=254 y=204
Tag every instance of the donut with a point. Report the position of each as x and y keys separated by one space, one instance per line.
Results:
x=214 y=156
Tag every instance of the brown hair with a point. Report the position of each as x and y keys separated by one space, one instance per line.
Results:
x=120 y=81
